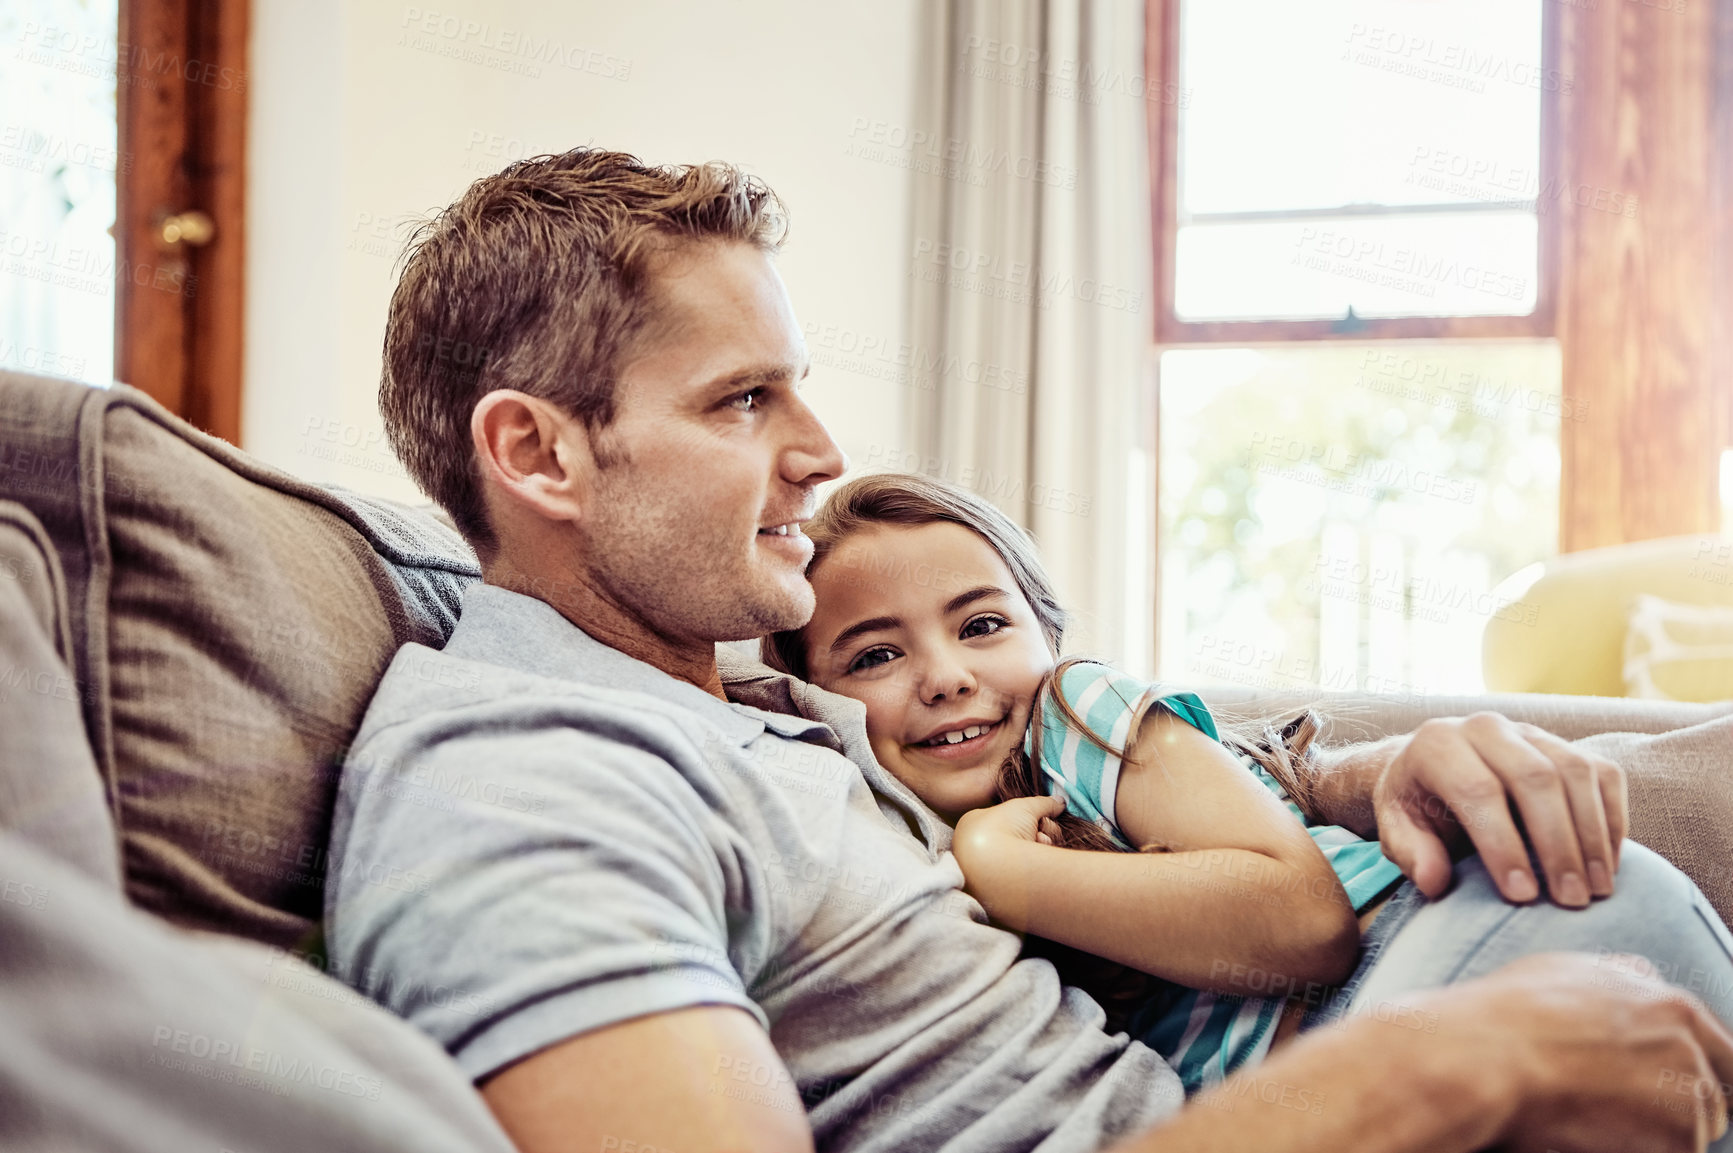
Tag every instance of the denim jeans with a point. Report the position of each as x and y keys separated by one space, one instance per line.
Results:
x=1655 y=911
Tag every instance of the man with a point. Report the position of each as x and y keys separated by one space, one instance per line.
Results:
x=677 y=905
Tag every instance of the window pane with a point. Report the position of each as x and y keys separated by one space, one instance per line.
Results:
x=1480 y=264
x=58 y=158
x=1357 y=105
x=1342 y=515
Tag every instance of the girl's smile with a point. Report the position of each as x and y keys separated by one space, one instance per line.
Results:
x=954 y=741
x=925 y=625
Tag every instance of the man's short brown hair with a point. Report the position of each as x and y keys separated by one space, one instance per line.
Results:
x=538 y=279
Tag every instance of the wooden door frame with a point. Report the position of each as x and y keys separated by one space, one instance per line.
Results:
x=181 y=103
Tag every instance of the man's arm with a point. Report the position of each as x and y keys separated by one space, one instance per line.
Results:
x=700 y=1080
x=1454 y=782
x=1343 y=779
x=1563 y=1051
x=563 y=930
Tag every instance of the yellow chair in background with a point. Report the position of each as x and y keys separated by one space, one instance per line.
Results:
x=1568 y=632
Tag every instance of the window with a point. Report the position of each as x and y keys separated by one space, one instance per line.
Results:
x=121 y=193
x=1341 y=514
x=1360 y=396
x=1343 y=155
x=58 y=158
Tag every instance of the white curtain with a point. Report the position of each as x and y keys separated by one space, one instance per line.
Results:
x=1030 y=289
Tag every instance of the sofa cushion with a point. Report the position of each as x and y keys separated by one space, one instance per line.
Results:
x=230 y=623
x=125 y=1035
x=1681 y=786
x=1676 y=652
x=51 y=794
x=1566 y=633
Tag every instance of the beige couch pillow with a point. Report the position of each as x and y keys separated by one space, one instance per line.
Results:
x=229 y=623
x=1678 y=652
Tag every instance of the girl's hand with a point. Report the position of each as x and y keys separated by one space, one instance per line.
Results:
x=987 y=845
x=1022 y=819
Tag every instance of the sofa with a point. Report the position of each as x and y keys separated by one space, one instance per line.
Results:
x=188 y=641
x=1570 y=631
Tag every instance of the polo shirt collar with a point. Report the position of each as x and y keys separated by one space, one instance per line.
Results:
x=842 y=721
x=515 y=631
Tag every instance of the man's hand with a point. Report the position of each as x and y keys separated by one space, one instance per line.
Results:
x=1454 y=783
x=1614 y=1058
x=1564 y=1052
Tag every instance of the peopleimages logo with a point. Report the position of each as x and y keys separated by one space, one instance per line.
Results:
x=1365 y=474
x=1063 y=77
x=1455 y=65
x=505 y=48
x=1441 y=384
x=217 y=1058
x=866 y=354
x=949 y=156
x=987 y=273
x=35 y=151
x=1484 y=180
x=73 y=50
x=1360 y=258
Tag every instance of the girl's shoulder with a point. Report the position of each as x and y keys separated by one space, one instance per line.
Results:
x=1105 y=700
x=1090 y=715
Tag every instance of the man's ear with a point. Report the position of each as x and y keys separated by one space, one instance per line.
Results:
x=532 y=455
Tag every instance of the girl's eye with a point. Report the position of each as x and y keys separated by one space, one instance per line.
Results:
x=747 y=401
x=871 y=659
x=984 y=625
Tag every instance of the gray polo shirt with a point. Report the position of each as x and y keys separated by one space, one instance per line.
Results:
x=537 y=835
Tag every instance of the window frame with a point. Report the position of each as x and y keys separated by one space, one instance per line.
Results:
x=1636 y=301
x=1161 y=52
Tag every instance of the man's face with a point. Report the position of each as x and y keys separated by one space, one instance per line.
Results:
x=695 y=529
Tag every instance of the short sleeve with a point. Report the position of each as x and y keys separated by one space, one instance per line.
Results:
x=1105 y=700
x=506 y=891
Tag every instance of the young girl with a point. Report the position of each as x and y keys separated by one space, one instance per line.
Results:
x=933 y=610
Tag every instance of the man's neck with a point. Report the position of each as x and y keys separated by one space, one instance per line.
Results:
x=606 y=620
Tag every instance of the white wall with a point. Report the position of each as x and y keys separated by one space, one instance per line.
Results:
x=364 y=114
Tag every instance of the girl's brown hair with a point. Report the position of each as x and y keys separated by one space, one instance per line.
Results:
x=910 y=500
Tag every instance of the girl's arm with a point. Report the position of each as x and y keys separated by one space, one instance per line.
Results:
x=1243 y=903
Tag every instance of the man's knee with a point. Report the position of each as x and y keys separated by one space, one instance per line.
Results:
x=1644 y=873
x=1656 y=912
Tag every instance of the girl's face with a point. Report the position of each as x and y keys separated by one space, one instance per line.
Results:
x=925 y=626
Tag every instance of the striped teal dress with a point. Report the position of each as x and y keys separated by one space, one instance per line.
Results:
x=1204 y=1036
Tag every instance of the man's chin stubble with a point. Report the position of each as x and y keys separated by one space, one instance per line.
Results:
x=766 y=619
